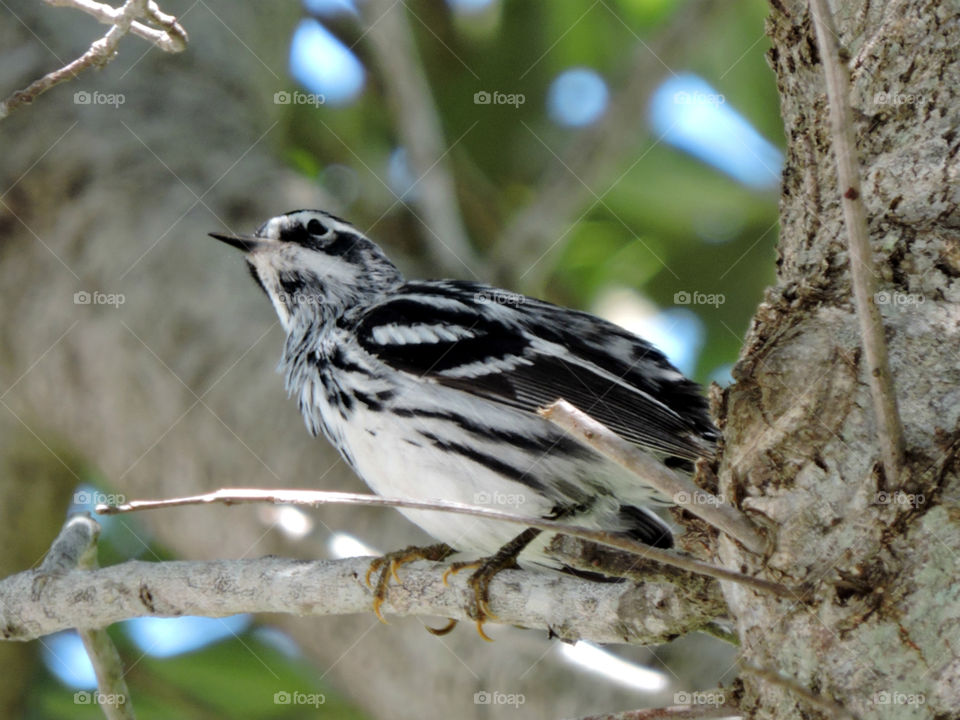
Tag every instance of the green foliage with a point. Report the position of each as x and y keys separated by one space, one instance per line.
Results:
x=661 y=223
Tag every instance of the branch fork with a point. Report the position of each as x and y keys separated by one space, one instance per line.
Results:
x=140 y=17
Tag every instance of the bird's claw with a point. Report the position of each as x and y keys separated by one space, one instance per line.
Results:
x=479 y=584
x=440 y=632
x=387 y=566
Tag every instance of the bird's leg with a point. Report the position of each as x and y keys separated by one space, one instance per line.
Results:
x=487 y=568
x=387 y=566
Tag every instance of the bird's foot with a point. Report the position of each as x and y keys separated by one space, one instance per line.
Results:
x=487 y=569
x=387 y=566
x=479 y=584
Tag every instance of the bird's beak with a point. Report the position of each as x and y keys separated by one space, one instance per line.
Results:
x=247 y=243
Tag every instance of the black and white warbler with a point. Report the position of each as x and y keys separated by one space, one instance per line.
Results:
x=429 y=388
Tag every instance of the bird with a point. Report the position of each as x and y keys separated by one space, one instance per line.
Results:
x=429 y=390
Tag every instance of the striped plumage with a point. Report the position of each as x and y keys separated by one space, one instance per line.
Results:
x=429 y=389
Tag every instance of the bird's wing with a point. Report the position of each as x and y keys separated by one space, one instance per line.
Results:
x=526 y=354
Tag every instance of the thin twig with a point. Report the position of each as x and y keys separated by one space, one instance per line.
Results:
x=820 y=702
x=679 y=489
x=231 y=496
x=76 y=549
x=862 y=272
x=674 y=712
x=173 y=38
x=113 y=695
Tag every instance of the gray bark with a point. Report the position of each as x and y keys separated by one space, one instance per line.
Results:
x=880 y=635
x=34 y=604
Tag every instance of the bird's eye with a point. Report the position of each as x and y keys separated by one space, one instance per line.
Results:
x=315 y=227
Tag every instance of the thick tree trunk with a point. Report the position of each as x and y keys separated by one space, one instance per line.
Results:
x=880 y=635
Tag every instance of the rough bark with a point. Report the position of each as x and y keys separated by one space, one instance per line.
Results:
x=38 y=603
x=801 y=449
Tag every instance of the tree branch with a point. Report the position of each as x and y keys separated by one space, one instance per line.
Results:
x=862 y=271
x=568 y=607
x=679 y=489
x=172 y=38
x=676 y=712
x=75 y=549
x=114 y=697
x=820 y=702
x=232 y=496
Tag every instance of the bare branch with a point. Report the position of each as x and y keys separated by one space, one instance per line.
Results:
x=568 y=607
x=171 y=38
x=76 y=549
x=75 y=546
x=679 y=489
x=232 y=496
x=862 y=271
x=114 y=698
x=821 y=702
x=675 y=712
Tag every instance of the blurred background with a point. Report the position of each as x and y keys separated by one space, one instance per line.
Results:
x=617 y=156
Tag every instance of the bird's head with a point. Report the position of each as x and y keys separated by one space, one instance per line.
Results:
x=313 y=265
